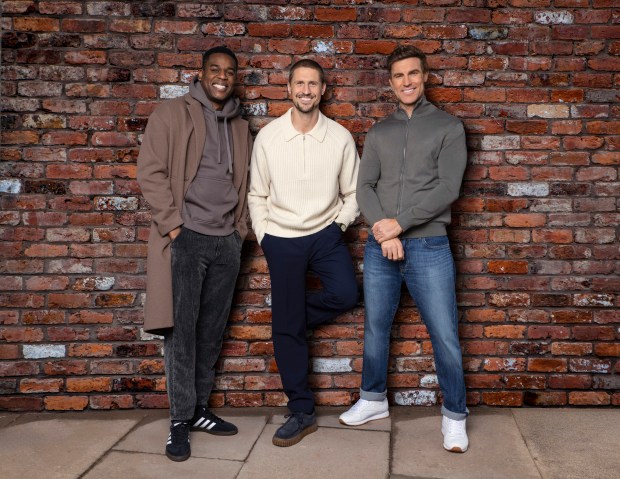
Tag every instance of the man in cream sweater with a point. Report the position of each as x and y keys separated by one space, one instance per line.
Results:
x=301 y=199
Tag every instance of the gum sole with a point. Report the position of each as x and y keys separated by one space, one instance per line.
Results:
x=455 y=449
x=294 y=440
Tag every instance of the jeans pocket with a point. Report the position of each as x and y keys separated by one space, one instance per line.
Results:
x=436 y=242
x=177 y=237
x=237 y=237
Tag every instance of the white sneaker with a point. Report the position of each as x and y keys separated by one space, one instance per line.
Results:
x=454 y=435
x=363 y=411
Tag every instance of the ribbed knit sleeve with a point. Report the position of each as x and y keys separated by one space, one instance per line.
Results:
x=259 y=189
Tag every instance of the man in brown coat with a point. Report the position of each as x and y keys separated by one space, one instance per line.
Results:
x=192 y=169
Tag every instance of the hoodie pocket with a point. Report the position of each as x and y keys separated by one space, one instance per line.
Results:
x=211 y=200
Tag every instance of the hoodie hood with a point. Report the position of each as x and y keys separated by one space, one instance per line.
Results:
x=230 y=110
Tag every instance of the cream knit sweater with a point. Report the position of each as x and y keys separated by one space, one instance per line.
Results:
x=301 y=183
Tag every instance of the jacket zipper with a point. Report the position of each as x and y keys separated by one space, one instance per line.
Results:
x=402 y=167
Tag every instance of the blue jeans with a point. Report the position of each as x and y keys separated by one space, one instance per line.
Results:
x=429 y=273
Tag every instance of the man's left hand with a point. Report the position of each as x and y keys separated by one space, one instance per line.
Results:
x=386 y=229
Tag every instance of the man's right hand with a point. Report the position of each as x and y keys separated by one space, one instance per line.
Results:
x=174 y=233
x=393 y=249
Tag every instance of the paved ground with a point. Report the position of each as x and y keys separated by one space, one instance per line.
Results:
x=504 y=444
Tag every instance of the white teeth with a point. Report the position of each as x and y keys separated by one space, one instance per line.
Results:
x=219 y=87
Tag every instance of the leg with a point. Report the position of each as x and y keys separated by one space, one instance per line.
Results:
x=331 y=262
x=188 y=272
x=382 y=283
x=287 y=260
x=430 y=276
x=216 y=299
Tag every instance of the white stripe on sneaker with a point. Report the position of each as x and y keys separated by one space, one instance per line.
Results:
x=199 y=422
x=212 y=424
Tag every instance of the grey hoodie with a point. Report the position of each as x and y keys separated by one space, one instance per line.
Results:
x=412 y=169
x=211 y=198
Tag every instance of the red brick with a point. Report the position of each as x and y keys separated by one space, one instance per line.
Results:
x=21 y=403
x=343 y=14
x=312 y=31
x=588 y=398
x=547 y=365
x=65 y=403
x=512 y=399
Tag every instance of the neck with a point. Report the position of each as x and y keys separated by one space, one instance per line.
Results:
x=408 y=109
x=304 y=122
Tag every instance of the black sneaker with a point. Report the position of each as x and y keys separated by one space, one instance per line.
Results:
x=298 y=426
x=177 y=447
x=204 y=420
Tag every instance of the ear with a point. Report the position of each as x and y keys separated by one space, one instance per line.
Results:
x=323 y=89
x=288 y=88
x=425 y=76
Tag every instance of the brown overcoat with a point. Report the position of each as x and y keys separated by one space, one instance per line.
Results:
x=168 y=161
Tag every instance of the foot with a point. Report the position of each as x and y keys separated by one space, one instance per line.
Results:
x=363 y=411
x=298 y=426
x=204 y=420
x=454 y=435
x=177 y=447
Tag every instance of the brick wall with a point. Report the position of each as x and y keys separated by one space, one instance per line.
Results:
x=535 y=233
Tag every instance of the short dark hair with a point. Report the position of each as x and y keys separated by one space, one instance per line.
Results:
x=219 y=49
x=306 y=63
x=406 y=51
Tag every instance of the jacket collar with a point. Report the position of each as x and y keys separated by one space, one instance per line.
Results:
x=318 y=132
x=422 y=107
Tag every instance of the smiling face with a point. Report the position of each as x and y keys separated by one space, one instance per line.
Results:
x=218 y=78
x=407 y=79
x=305 y=89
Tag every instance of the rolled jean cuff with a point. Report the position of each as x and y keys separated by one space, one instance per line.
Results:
x=370 y=396
x=457 y=416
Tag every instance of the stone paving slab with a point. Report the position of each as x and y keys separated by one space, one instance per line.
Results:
x=497 y=449
x=60 y=446
x=573 y=443
x=5 y=420
x=326 y=454
x=149 y=466
x=150 y=437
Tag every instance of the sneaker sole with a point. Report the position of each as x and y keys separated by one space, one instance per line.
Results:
x=382 y=415
x=294 y=440
x=178 y=458
x=454 y=449
x=215 y=433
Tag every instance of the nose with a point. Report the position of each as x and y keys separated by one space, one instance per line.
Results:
x=305 y=89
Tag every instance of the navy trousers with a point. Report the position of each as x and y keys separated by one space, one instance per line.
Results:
x=294 y=311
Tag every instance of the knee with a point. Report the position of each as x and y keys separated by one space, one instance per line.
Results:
x=346 y=297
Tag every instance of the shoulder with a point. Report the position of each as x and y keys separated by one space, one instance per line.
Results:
x=338 y=132
x=384 y=125
x=445 y=118
x=271 y=130
x=169 y=108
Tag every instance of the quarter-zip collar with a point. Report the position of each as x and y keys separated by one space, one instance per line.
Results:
x=318 y=132
x=422 y=107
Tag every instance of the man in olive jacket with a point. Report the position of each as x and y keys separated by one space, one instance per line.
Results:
x=193 y=168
